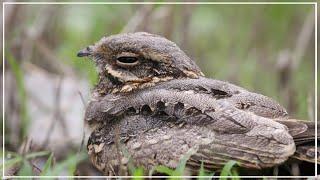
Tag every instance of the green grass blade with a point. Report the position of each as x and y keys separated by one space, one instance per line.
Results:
x=179 y=169
x=162 y=169
x=227 y=169
x=26 y=169
x=234 y=172
x=18 y=73
x=47 y=165
x=70 y=164
x=11 y=162
x=138 y=172
x=202 y=172
x=11 y=154
x=36 y=154
x=183 y=162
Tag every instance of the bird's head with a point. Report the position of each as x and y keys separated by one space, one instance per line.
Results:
x=134 y=60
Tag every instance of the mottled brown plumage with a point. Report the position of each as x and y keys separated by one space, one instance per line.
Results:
x=153 y=105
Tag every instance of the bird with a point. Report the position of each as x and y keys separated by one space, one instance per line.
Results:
x=154 y=106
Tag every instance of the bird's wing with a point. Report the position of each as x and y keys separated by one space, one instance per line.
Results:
x=239 y=135
x=239 y=97
x=302 y=131
x=209 y=88
x=188 y=106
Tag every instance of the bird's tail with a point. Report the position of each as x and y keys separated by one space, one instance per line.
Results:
x=304 y=136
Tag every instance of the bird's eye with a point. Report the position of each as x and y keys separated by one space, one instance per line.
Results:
x=127 y=61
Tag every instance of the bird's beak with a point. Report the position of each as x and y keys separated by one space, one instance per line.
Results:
x=84 y=52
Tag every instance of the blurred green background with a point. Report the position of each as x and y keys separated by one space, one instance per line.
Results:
x=267 y=49
x=238 y=43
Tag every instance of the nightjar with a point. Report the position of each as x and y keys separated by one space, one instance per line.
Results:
x=153 y=106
